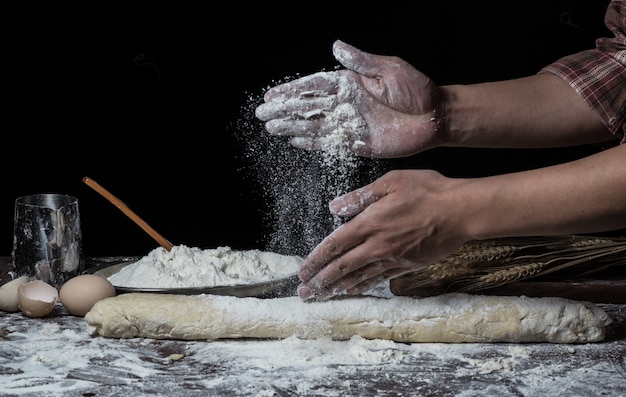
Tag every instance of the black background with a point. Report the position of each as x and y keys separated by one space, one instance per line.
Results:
x=147 y=99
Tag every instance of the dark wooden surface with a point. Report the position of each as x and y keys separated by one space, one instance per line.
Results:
x=55 y=356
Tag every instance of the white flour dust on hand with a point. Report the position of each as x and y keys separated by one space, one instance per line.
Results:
x=344 y=127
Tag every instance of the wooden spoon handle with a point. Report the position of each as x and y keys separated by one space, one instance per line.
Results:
x=128 y=212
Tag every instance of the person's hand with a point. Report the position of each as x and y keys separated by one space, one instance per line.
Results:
x=402 y=222
x=383 y=106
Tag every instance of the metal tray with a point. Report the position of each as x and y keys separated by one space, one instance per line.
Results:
x=269 y=289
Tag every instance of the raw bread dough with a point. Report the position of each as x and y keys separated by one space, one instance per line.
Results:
x=454 y=317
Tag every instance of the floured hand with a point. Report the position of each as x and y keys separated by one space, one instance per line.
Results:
x=381 y=104
x=399 y=225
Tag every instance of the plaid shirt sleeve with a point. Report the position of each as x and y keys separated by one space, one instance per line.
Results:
x=599 y=75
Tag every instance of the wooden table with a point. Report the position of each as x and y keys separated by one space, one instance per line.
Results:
x=55 y=356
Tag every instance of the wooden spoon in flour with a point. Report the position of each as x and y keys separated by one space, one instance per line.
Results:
x=128 y=212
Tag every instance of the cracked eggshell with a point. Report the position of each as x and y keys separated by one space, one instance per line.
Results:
x=8 y=294
x=37 y=298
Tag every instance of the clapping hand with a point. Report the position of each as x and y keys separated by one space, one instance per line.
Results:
x=383 y=106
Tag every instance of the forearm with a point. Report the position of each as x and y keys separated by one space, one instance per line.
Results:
x=583 y=196
x=536 y=111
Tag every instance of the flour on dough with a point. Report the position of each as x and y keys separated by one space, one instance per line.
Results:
x=448 y=318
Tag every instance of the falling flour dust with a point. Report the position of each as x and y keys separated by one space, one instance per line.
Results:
x=298 y=184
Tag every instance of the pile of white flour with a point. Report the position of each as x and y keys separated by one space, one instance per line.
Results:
x=191 y=267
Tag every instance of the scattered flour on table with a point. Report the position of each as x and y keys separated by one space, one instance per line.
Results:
x=191 y=267
x=55 y=357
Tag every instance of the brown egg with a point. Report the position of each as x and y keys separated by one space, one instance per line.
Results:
x=8 y=294
x=80 y=293
x=36 y=298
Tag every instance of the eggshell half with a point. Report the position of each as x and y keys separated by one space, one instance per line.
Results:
x=80 y=293
x=8 y=294
x=37 y=298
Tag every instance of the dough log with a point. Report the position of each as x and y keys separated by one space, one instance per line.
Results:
x=448 y=318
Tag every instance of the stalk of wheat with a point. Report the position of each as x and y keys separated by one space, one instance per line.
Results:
x=485 y=264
